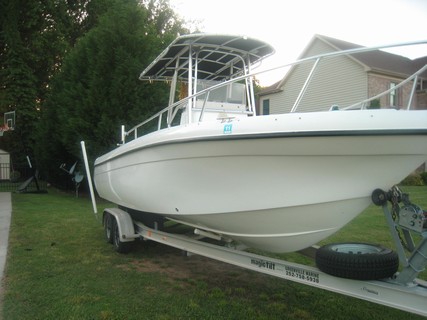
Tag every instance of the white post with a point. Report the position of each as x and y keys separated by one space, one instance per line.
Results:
x=89 y=179
x=123 y=135
x=29 y=162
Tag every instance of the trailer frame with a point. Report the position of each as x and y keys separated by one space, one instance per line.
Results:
x=410 y=297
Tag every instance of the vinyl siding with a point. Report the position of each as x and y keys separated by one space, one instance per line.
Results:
x=337 y=81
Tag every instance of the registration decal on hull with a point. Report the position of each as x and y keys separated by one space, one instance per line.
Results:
x=228 y=128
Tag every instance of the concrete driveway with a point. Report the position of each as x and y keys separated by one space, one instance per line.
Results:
x=5 y=215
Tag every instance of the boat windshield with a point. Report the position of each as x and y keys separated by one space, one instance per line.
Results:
x=231 y=93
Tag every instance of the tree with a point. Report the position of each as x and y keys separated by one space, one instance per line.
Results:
x=35 y=36
x=18 y=79
x=98 y=89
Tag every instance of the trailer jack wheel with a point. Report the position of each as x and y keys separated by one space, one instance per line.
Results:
x=360 y=261
x=119 y=246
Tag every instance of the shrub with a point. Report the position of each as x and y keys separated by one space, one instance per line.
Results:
x=414 y=179
x=375 y=104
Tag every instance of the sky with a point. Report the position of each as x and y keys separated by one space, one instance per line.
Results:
x=290 y=25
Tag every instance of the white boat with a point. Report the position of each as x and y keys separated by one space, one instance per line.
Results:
x=279 y=183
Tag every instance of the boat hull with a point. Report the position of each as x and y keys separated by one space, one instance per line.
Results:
x=274 y=189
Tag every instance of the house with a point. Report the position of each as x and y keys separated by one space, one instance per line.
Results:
x=345 y=80
x=4 y=165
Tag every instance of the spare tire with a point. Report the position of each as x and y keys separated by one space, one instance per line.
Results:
x=360 y=261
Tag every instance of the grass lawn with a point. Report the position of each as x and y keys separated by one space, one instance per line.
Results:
x=60 y=267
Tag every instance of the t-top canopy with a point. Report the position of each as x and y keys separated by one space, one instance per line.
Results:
x=214 y=57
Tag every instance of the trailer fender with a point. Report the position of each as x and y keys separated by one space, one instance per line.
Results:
x=124 y=222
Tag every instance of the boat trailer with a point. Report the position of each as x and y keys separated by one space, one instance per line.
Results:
x=402 y=291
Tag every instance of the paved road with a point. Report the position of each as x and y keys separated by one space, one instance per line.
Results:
x=5 y=214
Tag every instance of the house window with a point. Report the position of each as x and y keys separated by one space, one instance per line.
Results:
x=393 y=95
x=266 y=107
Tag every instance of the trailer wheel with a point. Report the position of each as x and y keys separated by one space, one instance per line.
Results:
x=108 y=227
x=119 y=246
x=360 y=261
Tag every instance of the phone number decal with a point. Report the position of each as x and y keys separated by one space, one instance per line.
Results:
x=302 y=274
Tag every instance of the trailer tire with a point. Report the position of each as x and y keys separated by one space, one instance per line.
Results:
x=108 y=227
x=360 y=261
x=119 y=246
